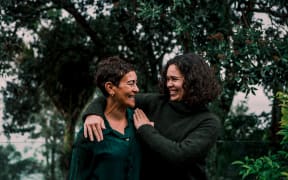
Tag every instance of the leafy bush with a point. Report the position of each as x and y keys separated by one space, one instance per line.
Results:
x=13 y=166
x=271 y=166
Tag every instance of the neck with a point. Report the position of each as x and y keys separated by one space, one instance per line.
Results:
x=114 y=111
x=115 y=114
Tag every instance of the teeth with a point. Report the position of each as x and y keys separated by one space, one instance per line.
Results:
x=172 y=92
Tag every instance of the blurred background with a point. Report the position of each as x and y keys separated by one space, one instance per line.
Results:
x=50 y=48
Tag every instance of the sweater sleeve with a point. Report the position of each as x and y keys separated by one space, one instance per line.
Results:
x=196 y=145
x=147 y=101
x=96 y=107
x=142 y=100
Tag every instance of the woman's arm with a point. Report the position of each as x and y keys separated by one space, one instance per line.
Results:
x=146 y=101
x=196 y=145
x=96 y=107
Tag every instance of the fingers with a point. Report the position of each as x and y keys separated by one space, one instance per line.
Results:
x=140 y=119
x=102 y=125
x=85 y=131
x=93 y=130
x=140 y=115
x=137 y=116
x=93 y=127
x=97 y=130
x=95 y=133
x=137 y=113
x=136 y=122
x=90 y=133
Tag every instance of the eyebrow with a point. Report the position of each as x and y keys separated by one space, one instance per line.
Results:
x=131 y=81
x=174 y=77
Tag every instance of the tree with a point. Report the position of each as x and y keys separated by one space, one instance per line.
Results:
x=12 y=164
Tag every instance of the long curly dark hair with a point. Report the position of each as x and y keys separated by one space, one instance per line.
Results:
x=111 y=69
x=200 y=83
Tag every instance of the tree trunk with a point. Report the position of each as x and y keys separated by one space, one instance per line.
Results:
x=53 y=151
x=276 y=117
x=67 y=146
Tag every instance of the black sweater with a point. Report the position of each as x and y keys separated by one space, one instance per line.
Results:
x=178 y=145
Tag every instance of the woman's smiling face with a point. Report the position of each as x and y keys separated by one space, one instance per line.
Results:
x=175 y=81
x=127 y=89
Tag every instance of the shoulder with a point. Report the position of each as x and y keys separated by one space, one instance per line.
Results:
x=150 y=101
x=207 y=117
x=129 y=112
x=207 y=114
x=150 y=96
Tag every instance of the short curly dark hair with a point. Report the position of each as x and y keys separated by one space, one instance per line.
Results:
x=200 y=83
x=111 y=69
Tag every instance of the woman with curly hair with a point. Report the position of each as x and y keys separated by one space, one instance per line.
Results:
x=184 y=130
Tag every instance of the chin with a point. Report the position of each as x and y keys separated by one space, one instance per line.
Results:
x=131 y=105
x=174 y=99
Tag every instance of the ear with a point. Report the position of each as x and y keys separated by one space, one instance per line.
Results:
x=109 y=88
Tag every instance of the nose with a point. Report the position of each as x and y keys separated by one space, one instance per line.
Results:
x=135 y=88
x=169 y=83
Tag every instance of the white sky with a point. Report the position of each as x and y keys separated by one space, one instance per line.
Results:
x=256 y=103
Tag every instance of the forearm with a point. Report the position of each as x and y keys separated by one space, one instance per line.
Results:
x=194 y=146
x=146 y=101
x=96 y=107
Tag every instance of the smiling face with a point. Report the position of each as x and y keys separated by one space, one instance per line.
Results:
x=174 y=83
x=127 y=89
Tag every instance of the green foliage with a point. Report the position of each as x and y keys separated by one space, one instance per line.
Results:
x=149 y=11
x=245 y=134
x=273 y=165
x=284 y=120
x=13 y=167
x=243 y=126
x=262 y=168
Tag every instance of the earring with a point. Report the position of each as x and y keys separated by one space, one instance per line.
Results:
x=112 y=94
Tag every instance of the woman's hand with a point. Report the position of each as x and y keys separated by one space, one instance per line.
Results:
x=141 y=119
x=93 y=127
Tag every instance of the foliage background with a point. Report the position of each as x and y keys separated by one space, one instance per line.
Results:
x=52 y=75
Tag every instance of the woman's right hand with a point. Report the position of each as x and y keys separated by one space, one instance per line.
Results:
x=93 y=127
x=141 y=119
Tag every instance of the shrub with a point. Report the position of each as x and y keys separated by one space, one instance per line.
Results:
x=271 y=166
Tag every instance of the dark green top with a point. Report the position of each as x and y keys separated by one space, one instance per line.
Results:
x=178 y=145
x=117 y=157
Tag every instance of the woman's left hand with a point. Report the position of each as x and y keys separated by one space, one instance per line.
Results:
x=141 y=119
